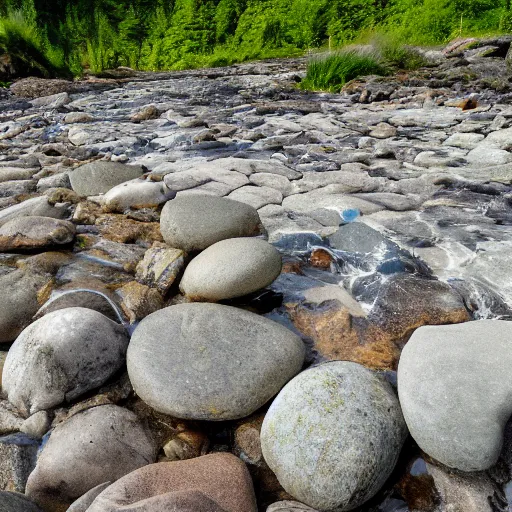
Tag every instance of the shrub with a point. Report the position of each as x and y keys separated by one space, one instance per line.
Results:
x=332 y=72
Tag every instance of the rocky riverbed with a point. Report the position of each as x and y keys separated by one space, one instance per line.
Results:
x=224 y=294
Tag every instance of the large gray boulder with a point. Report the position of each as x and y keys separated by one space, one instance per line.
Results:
x=454 y=384
x=95 y=446
x=193 y=223
x=99 y=177
x=211 y=362
x=34 y=232
x=231 y=268
x=20 y=304
x=333 y=435
x=61 y=356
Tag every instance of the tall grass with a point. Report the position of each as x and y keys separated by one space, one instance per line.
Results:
x=178 y=34
x=28 y=45
x=331 y=72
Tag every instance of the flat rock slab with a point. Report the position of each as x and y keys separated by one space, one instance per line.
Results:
x=99 y=177
x=34 y=232
x=193 y=223
x=211 y=362
x=454 y=384
x=231 y=268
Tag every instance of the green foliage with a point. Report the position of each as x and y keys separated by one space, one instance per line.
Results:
x=176 y=34
x=26 y=43
x=332 y=72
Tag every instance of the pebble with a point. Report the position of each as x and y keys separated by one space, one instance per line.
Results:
x=231 y=268
x=210 y=362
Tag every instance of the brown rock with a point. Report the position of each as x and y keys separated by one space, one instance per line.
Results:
x=34 y=233
x=119 y=228
x=187 y=445
x=139 y=301
x=221 y=477
x=339 y=335
x=147 y=113
x=86 y=212
x=320 y=258
x=247 y=445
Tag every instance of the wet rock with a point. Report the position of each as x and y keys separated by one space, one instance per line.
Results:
x=100 y=176
x=219 y=483
x=317 y=199
x=18 y=454
x=231 y=268
x=35 y=232
x=360 y=238
x=139 y=301
x=160 y=267
x=16 y=502
x=89 y=293
x=16 y=313
x=136 y=194
x=340 y=331
x=111 y=440
x=48 y=363
x=468 y=492
x=405 y=302
x=244 y=358
x=457 y=364
x=121 y=229
x=195 y=223
x=333 y=435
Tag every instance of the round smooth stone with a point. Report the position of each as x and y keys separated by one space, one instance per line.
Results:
x=211 y=362
x=333 y=435
x=193 y=223
x=231 y=268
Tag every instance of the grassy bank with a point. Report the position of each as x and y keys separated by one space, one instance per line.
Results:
x=74 y=35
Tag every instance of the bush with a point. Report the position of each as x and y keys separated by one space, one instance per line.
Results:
x=332 y=72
